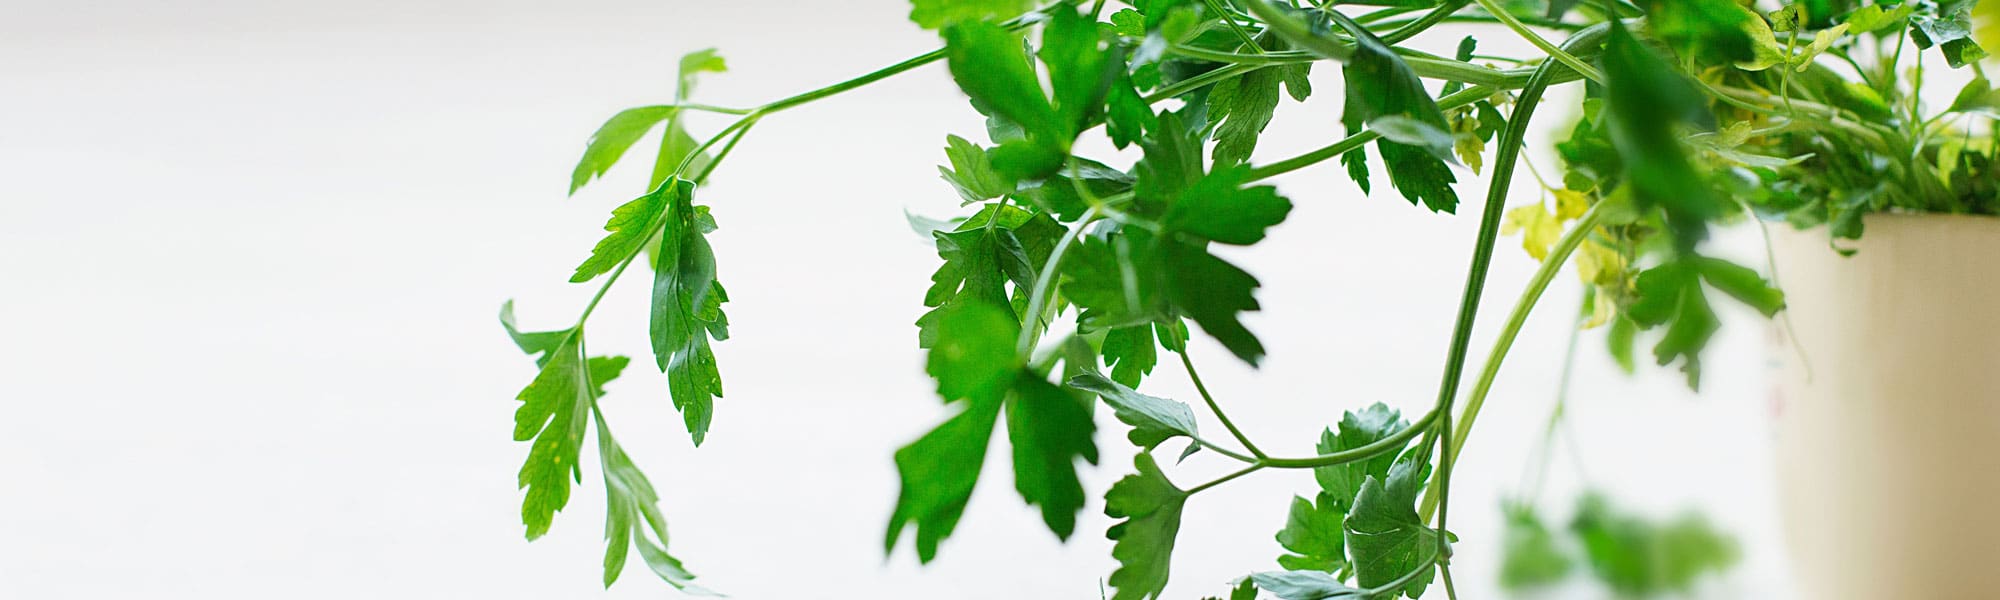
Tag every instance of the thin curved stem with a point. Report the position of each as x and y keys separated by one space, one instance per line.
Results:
x=1505 y=158
x=1561 y=55
x=1039 y=296
x=1224 y=479
x=1392 y=443
x=1213 y=406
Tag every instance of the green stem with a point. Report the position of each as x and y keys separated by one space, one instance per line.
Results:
x=1517 y=319
x=1392 y=443
x=1561 y=55
x=1505 y=157
x=1039 y=296
x=1213 y=406
x=1359 y=138
x=1224 y=479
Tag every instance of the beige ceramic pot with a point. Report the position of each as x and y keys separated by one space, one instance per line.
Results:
x=1888 y=434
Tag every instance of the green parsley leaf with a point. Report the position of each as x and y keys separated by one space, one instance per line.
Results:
x=1306 y=585
x=553 y=414
x=1875 y=17
x=1711 y=31
x=1646 y=98
x=1050 y=428
x=1219 y=207
x=1213 y=293
x=632 y=512
x=1385 y=537
x=938 y=472
x=998 y=244
x=1243 y=107
x=1950 y=30
x=1082 y=68
x=613 y=138
x=1671 y=294
x=1342 y=482
x=631 y=224
x=1639 y=558
x=1154 y=420
x=1313 y=535
x=971 y=172
x=1130 y=353
x=1743 y=284
x=1151 y=507
x=1380 y=84
x=936 y=14
x=687 y=308
x=1529 y=555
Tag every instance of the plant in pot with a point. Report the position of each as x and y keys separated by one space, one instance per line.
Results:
x=1067 y=276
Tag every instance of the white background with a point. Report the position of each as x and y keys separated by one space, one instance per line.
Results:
x=251 y=255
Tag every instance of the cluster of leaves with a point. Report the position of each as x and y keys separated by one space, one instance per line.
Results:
x=1633 y=556
x=1699 y=112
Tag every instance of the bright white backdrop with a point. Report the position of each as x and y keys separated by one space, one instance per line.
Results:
x=252 y=254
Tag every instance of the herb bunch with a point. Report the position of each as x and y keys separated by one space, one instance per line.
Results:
x=1068 y=279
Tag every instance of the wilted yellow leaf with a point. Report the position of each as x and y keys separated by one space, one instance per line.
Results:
x=1599 y=265
x=1571 y=204
x=1538 y=228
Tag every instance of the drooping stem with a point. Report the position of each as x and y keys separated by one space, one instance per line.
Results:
x=1213 y=406
x=1518 y=318
x=1505 y=157
x=1561 y=55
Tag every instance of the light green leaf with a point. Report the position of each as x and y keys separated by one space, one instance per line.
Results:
x=992 y=68
x=1153 y=420
x=1130 y=353
x=1243 y=107
x=631 y=224
x=1306 y=585
x=632 y=513
x=612 y=139
x=1743 y=284
x=553 y=414
x=1151 y=508
x=971 y=172
x=1530 y=556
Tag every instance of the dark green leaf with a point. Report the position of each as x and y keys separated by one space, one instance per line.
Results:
x=1385 y=537
x=1711 y=31
x=1082 y=68
x=1306 y=585
x=939 y=471
x=1213 y=293
x=1646 y=99
x=990 y=65
x=1153 y=420
x=1172 y=163
x=1313 y=535
x=973 y=359
x=1050 y=428
x=1671 y=293
x=1380 y=84
x=1151 y=507
x=935 y=14
x=1372 y=424
x=1130 y=353
x=1243 y=107
x=1219 y=207
x=687 y=308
